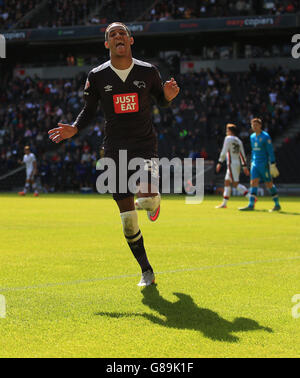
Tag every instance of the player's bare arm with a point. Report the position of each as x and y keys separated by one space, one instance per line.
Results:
x=218 y=167
x=171 y=89
x=246 y=171
x=63 y=131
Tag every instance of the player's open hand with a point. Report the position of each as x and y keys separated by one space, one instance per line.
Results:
x=62 y=132
x=171 y=89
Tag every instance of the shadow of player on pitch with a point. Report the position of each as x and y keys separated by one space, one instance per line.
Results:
x=185 y=314
x=281 y=212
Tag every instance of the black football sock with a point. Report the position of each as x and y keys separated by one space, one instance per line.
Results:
x=138 y=250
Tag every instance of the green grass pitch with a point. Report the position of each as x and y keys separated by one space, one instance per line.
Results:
x=225 y=279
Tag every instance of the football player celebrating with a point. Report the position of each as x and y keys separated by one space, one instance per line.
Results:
x=31 y=170
x=124 y=86
x=234 y=153
x=263 y=166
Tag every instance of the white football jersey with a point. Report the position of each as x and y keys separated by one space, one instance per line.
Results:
x=28 y=159
x=233 y=151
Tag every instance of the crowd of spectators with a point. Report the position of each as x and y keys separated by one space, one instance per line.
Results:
x=254 y=51
x=278 y=7
x=55 y=13
x=67 y=13
x=210 y=99
x=13 y=11
x=194 y=126
x=114 y=10
x=58 y=13
x=244 y=51
x=178 y=9
x=29 y=108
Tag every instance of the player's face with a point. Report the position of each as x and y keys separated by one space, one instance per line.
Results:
x=119 y=42
x=256 y=126
x=26 y=151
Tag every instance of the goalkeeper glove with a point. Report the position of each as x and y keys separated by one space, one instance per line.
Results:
x=273 y=170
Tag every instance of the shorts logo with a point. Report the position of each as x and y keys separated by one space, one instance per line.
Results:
x=126 y=103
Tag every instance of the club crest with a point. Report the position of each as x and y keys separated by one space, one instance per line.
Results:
x=139 y=84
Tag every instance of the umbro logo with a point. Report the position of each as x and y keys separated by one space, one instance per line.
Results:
x=108 y=88
x=140 y=84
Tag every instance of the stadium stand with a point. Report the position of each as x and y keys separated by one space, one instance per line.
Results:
x=211 y=99
x=192 y=127
x=59 y=13
x=177 y=9
x=52 y=13
x=280 y=7
x=128 y=10
x=13 y=11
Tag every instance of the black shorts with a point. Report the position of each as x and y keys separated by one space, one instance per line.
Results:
x=146 y=170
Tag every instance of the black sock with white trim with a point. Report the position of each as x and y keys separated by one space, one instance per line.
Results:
x=139 y=252
x=134 y=238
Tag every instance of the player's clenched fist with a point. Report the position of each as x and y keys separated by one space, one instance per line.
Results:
x=62 y=132
x=171 y=89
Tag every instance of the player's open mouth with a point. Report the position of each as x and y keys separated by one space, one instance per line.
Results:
x=120 y=44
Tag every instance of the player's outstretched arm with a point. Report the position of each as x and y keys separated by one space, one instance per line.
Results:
x=171 y=89
x=63 y=131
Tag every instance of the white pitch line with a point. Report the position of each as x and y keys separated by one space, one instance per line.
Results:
x=243 y=263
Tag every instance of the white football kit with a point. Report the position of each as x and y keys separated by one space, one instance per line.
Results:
x=234 y=153
x=28 y=159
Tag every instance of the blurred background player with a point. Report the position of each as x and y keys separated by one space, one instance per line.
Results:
x=31 y=170
x=234 y=153
x=263 y=166
x=125 y=87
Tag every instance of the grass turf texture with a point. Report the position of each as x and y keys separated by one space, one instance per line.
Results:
x=225 y=279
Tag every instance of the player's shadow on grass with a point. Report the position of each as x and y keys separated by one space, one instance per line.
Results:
x=279 y=212
x=185 y=314
x=288 y=213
